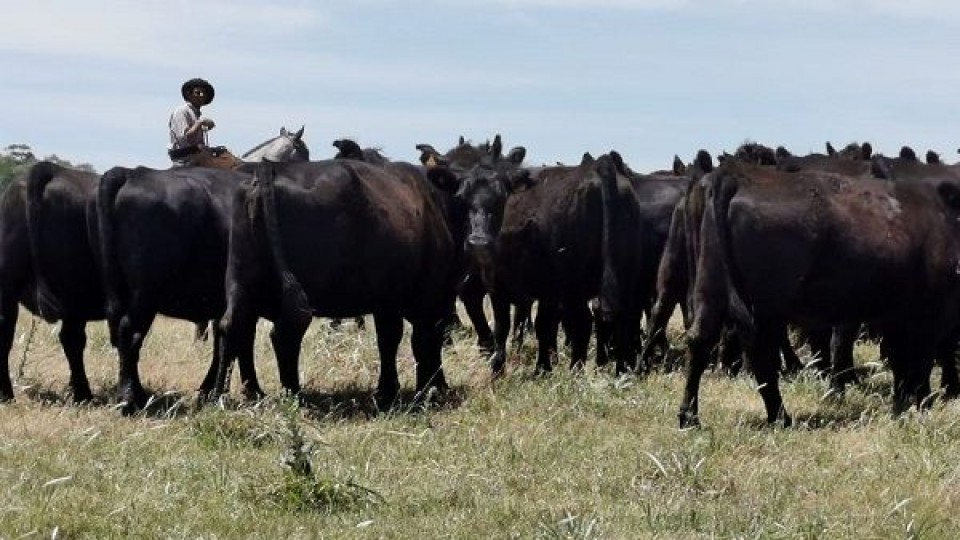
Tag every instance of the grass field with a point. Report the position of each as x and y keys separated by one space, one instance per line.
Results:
x=563 y=456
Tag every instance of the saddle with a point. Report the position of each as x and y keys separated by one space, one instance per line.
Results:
x=217 y=157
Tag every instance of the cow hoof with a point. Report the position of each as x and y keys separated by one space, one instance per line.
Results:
x=486 y=346
x=80 y=397
x=386 y=401
x=688 y=420
x=254 y=394
x=131 y=401
x=206 y=396
x=498 y=363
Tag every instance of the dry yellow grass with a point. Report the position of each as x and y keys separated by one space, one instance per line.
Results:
x=563 y=456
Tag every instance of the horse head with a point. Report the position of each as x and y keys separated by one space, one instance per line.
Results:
x=288 y=146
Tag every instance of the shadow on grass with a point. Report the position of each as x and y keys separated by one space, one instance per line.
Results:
x=354 y=402
x=51 y=397
x=820 y=420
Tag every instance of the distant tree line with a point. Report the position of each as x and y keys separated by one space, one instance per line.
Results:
x=16 y=159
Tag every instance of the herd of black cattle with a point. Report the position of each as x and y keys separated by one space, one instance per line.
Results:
x=762 y=240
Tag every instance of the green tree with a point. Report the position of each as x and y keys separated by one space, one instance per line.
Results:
x=15 y=159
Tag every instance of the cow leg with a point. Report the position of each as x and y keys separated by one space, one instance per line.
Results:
x=8 y=327
x=245 y=338
x=655 y=334
x=820 y=340
x=911 y=360
x=131 y=331
x=234 y=336
x=765 y=362
x=389 y=328
x=546 y=327
x=604 y=332
x=577 y=323
x=947 y=358
x=521 y=322
x=471 y=295
x=287 y=337
x=791 y=362
x=210 y=379
x=501 y=329
x=73 y=339
x=702 y=336
x=240 y=347
x=426 y=341
x=730 y=351
x=841 y=354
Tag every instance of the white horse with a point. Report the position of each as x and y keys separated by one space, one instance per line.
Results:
x=287 y=146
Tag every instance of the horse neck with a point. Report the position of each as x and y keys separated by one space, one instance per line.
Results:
x=271 y=150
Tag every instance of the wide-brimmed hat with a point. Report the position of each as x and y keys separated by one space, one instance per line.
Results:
x=193 y=83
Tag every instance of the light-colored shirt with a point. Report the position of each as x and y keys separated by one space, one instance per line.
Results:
x=182 y=119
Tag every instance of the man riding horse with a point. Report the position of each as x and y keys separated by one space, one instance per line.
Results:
x=188 y=130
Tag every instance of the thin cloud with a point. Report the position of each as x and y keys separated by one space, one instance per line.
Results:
x=150 y=32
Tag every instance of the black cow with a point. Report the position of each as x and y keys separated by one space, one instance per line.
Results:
x=459 y=161
x=342 y=238
x=658 y=194
x=674 y=274
x=561 y=236
x=163 y=240
x=47 y=263
x=349 y=149
x=828 y=249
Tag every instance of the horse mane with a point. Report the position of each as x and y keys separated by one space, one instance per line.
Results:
x=259 y=146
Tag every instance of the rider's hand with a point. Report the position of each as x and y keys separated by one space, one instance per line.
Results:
x=206 y=123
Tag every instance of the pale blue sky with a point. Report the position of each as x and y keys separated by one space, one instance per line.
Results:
x=95 y=80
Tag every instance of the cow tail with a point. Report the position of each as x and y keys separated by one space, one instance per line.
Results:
x=294 y=300
x=40 y=175
x=110 y=184
x=609 y=298
x=724 y=190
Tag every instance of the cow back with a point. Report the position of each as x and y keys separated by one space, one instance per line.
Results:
x=167 y=239
x=357 y=237
x=550 y=242
x=45 y=252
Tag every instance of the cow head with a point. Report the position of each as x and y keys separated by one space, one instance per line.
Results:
x=479 y=186
x=349 y=149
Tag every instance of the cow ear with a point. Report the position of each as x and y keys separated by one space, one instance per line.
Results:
x=516 y=155
x=704 y=161
x=950 y=193
x=496 y=149
x=429 y=157
x=866 y=150
x=443 y=178
x=679 y=169
x=619 y=164
x=831 y=151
